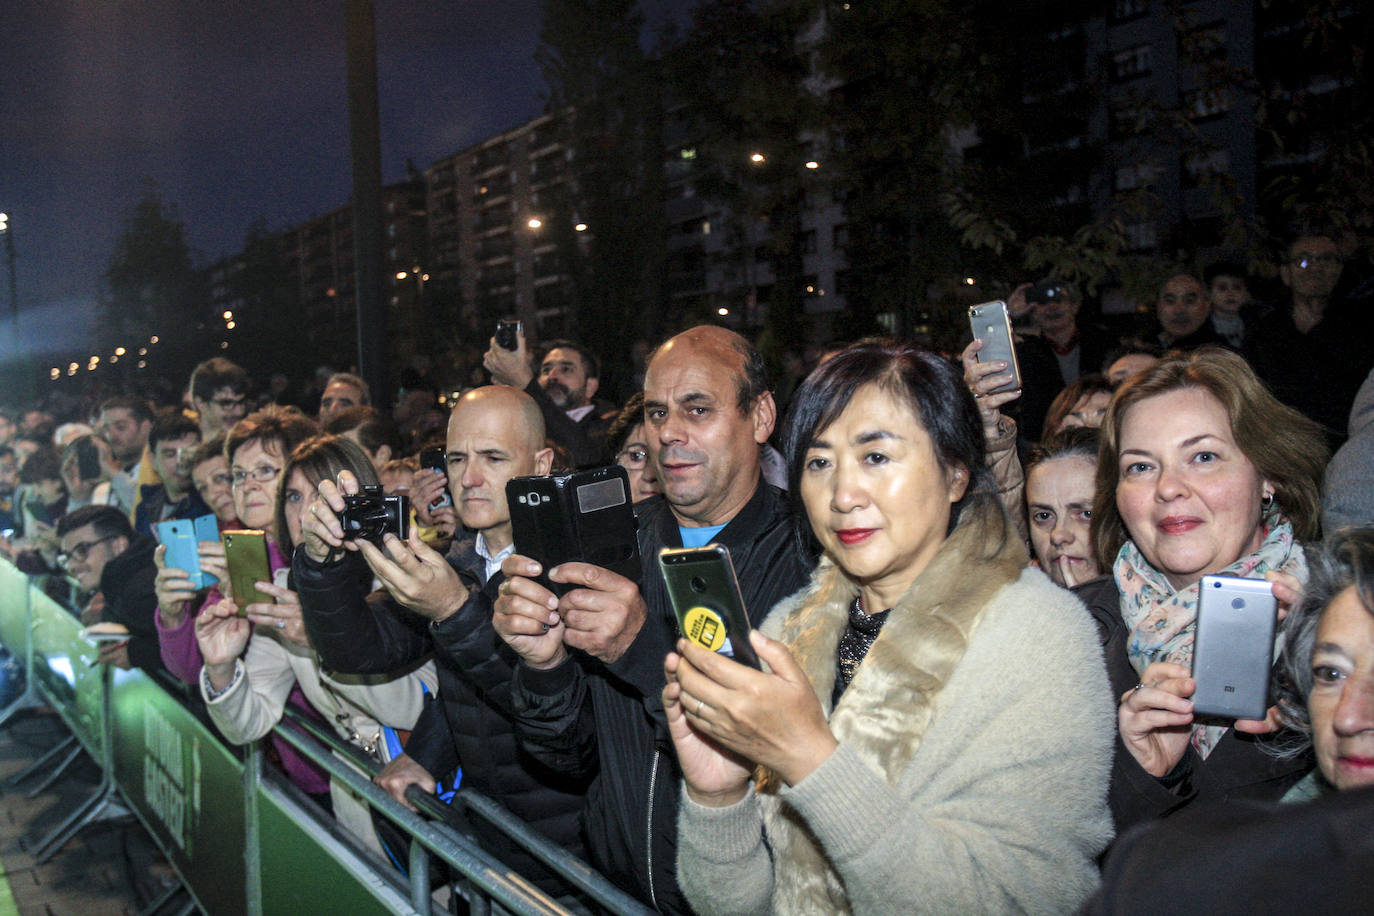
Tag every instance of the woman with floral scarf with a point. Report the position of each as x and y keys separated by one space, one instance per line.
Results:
x=1202 y=472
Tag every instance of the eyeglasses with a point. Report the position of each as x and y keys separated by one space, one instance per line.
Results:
x=229 y=403
x=260 y=474
x=1308 y=261
x=80 y=551
x=632 y=458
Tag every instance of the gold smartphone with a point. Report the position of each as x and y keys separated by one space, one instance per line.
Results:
x=245 y=553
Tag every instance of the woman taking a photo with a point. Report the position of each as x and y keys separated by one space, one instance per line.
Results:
x=1201 y=472
x=931 y=733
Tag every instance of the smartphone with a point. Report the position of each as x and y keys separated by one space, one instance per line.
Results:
x=437 y=459
x=245 y=553
x=706 y=600
x=508 y=333
x=88 y=459
x=1233 y=647
x=991 y=324
x=587 y=516
x=181 y=535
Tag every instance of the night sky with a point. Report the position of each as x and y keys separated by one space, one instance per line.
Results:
x=234 y=110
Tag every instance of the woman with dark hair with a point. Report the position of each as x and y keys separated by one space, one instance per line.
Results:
x=627 y=443
x=892 y=775
x=1060 y=477
x=1325 y=693
x=1201 y=471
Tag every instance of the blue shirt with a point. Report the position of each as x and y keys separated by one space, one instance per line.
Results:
x=698 y=537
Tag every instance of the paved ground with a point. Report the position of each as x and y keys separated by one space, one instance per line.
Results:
x=108 y=868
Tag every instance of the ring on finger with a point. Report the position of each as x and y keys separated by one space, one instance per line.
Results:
x=281 y=624
x=700 y=704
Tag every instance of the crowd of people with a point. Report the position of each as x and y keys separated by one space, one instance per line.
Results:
x=973 y=592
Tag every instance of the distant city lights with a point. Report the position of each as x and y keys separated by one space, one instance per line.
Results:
x=580 y=227
x=722 y=311
x=813 y=164
x=534 y=222
x=757 y=158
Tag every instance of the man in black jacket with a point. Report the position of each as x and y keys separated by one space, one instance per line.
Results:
x=597 y=708
x=494 y=434
x=564 y=390
x=103 y=554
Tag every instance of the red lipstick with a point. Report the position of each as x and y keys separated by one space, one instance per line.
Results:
x=854 y=535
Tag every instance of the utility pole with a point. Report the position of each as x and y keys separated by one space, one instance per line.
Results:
x=19 y=382
x=365 y=143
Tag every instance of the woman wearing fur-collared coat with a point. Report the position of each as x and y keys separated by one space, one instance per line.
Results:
x=932 y=732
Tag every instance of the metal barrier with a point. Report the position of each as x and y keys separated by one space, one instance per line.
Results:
x=242 y=841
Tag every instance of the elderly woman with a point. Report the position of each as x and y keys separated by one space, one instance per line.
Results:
x=1326 y=693
x=930 y=731
x=1201 y=472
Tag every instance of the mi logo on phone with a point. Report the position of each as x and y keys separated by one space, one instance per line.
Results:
x=1229 y=689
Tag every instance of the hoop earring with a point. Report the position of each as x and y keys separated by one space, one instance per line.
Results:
x=1267 y=502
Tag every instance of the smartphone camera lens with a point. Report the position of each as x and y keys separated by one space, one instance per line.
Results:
x=1238 y=603
x=698 y=584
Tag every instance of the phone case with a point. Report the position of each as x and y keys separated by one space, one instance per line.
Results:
x=706 y=600
x=586 y=517
x=180 y=537
x=245 y=552
x=436 y=458
x=1233 y=647
x=991 y=324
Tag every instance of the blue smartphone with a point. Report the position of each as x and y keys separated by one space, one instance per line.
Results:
x=181 y=536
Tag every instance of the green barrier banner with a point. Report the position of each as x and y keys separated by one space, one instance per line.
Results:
x=65 y=671
x=302 y=867
x=186 y=787
x=14 y=622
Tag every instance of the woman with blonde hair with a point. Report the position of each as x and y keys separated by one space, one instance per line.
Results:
x=1201 y=472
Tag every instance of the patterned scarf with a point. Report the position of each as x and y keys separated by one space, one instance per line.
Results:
x=1162 y=621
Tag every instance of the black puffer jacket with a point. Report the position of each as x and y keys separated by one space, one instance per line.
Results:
x=1238 y=768
x=586 y=717
x=356 y=633
x=127 y=584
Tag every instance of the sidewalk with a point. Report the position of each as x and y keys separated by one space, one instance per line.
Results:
x=108 y=868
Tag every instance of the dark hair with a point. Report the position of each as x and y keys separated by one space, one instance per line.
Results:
x=44 y=464
x=207 y=450
x=1346 y=560
x=283 y=427
x=753 y=384
x=138 y=407
x=320 y=457
x=590 y=364
x=1085 y=386
x=107 y=522
x=373 y=426
x=920 y=378
x=1286 y=448
x=1224 y=269
x=630 y=416
x=216 y=373
x=171 y=423
x=1074 y=442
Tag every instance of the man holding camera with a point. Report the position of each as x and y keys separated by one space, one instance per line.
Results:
x=432 y=601
x=597 y=653
x=567 y=382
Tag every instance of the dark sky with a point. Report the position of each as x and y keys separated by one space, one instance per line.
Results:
x=235 y=109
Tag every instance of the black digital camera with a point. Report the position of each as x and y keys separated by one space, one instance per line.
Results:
x=370 y=514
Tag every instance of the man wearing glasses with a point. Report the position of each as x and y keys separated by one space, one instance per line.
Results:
x=219 y=393
x=1314 y=351
x=101 y=552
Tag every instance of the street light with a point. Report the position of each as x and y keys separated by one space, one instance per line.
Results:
x=535 y=222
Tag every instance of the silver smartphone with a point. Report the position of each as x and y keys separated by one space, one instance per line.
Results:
x=991 y=324
x=1233 y=647
x=706 y=600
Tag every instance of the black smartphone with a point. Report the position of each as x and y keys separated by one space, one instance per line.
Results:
x=586 y=516
x=991 y=324
x=88 y=459
x=437 y=459
x=508 y=332
x=706 y=600
x=1233 y=647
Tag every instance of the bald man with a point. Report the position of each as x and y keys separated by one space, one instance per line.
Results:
x=598 y=651
x=431 y=602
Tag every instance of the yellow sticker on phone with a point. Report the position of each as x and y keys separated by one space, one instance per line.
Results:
x=704 y=627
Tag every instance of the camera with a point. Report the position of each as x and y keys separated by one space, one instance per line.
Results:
x=1050 y=290
x=369 y=514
